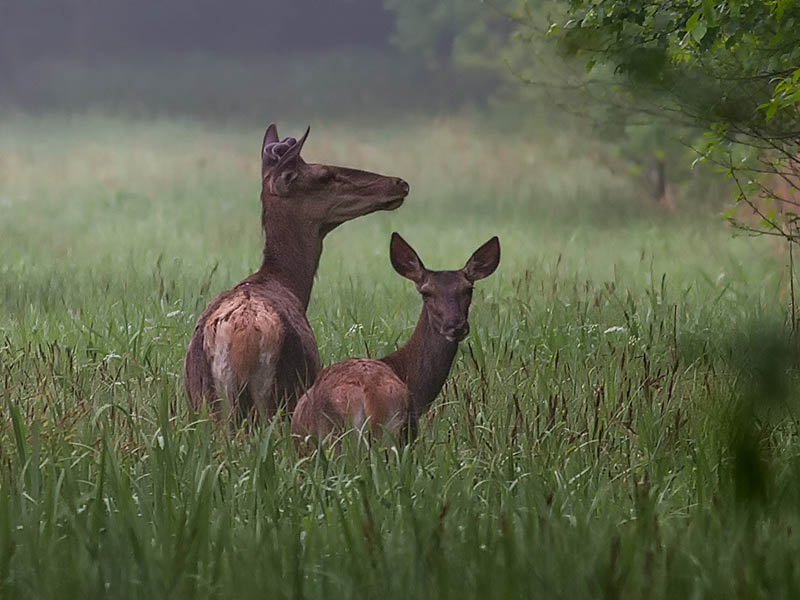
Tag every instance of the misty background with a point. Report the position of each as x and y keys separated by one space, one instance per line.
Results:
x=241 y=59
x=365 y=61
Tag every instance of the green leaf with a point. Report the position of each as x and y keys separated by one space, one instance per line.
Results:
x=772 y=108
x=691 y=23
x=699 y=31
x=661 y=21
x=708 y=11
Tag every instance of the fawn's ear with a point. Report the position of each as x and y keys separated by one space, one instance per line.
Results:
x=404 y=260
x=484 y=260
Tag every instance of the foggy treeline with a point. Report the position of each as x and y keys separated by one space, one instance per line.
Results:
x=240 y=58
x=34 y=29
x=306 y=60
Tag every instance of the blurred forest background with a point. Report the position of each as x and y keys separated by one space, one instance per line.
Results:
x=249 y=61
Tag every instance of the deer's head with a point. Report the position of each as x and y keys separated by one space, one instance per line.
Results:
x=323 y=195
x=446 y=295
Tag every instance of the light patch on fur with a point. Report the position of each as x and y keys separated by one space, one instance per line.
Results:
x=397 y=419
x=357 y=416
x=354 y=394
x=242 y=340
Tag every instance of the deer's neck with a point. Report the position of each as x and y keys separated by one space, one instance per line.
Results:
x=423 y=363
x=292 y=248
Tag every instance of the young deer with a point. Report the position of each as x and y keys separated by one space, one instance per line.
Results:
x=391 y=394
x=253 y=347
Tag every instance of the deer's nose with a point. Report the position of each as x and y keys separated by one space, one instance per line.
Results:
x=402 y=185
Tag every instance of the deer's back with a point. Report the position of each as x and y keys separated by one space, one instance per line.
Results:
x=349 y=394
x=252 y=345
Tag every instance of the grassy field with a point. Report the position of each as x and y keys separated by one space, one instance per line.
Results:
x=617 y=424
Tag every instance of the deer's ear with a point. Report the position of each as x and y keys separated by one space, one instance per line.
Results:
x=268 y=158
x=280 y=183
x=277 y=156
x=404 y=260
x=270 y=136
x=484 y=260
x=291 y=157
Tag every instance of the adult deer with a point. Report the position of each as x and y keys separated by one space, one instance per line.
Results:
x=390 y=394
x=253 y=348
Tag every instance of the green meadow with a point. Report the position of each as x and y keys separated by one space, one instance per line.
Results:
x=619 y=423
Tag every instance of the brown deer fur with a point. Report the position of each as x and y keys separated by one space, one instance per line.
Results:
x=253 y=347
x=390 y=394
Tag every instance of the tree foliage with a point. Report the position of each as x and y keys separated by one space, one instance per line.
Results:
x=463 y=33
x=506 y=43
x=469 y=36
x=731 y=67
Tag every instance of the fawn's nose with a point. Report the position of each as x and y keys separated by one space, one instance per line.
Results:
x=401 y=183
x=455 y=332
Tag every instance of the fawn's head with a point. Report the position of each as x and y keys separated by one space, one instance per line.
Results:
x=322 y=195
x=446 y=295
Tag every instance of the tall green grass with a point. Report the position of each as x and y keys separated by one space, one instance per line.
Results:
x=620 y=422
